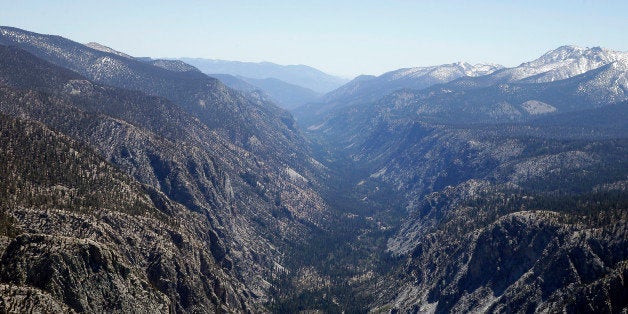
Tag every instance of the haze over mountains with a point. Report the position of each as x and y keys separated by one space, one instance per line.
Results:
x=288 y=86
x=300 y=75
x=145 y=185
x=285 y=95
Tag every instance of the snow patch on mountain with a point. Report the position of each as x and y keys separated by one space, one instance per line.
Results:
x=379 y=173
x=535 y=107
x=294 y=175
x=315 y=127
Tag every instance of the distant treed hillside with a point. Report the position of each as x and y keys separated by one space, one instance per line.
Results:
x=288 y=96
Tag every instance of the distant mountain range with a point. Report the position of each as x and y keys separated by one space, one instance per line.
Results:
x=300 y=75
x=466 y=93
x=561 y=63
x=370 y=88
x=285 y=95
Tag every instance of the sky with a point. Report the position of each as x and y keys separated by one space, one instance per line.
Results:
x=340 y=37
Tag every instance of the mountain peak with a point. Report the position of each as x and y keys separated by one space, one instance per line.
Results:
x=559 y=54
x=578 y=54
x=561 y=63
x=444 y=72
x=103 y=48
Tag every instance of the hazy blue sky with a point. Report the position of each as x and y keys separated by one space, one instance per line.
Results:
x=340 y=37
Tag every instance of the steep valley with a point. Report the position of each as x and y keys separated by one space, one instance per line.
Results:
x=142 y=185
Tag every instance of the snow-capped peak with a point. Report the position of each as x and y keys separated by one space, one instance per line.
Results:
x=573 y=53
x=563 y=62
x=559 y=54
x=444 y=72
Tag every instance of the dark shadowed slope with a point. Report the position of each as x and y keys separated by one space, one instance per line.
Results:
x=243 y=207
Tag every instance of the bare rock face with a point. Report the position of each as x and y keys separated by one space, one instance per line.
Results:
x=477 y=246
x=19 y=299
x=94 y=240
x=527 y=260
x=85 y=275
